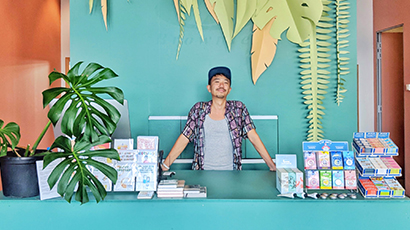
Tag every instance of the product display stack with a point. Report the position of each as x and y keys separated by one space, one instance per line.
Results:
x=147 y=163
x=126 y=166
x=376 y=168
x=170 y=189
x=329 y=165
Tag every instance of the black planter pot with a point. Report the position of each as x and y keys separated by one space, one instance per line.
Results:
x=19 y=176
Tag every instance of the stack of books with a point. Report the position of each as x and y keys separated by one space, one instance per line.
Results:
x=170 y=189
x=194 y=191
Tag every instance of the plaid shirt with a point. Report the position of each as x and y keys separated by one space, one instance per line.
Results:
x=239 y=124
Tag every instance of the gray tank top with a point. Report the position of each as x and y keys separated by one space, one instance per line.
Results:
x=218 y=149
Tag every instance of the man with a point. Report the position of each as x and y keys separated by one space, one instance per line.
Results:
x=217 y=128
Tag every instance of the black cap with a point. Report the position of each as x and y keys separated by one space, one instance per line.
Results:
x=219 y=70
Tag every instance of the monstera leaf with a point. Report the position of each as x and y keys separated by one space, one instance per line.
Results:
x=291 y=15
x=9 y=136
x=74 y=168
x=81 y=97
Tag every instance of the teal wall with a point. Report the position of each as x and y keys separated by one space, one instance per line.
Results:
x=140 y=46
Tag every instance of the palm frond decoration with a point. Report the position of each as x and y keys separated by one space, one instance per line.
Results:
x=183 y=7
x=314 y=58
x=342 y=21
x=104 y=9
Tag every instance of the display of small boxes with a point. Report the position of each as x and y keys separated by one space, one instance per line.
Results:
x=376 y=167
x=374 y=144
x=289 y=179
x=147 y=163
x=334 y=168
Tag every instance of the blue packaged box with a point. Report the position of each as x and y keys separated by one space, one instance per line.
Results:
x=348 y=160
x=337 y=160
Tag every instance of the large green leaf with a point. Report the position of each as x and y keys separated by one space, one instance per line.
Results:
x=73 y=170
x=294 y=15
x=9 y=136
x=80 y=100
x=224 y=10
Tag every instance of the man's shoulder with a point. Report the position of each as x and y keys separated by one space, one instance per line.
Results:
x=235 y=103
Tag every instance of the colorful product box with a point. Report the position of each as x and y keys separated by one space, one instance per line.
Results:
x=337 y=160
x=147 y=142
x=391 y=164
x=124 y=144
x=299 y=180
x=350 y=179
x=367 y=188
x=395 y=186
x=338 y=179
x=292 y=180
x=323 y=160
x=282 y=180
x=364 y=167
x=147 y=156
x=126 y=177
x=310 y=160
x=348 y=160
x=312 y=179
x=146 y=177
x=326 y=179
x=383 y=189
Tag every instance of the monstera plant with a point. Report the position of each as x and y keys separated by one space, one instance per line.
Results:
x=84 y=126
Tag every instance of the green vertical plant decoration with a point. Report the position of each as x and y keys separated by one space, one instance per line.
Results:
x=342 y=21
x=314 y=60
x=183 y=7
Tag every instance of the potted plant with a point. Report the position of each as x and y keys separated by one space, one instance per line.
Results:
x=84 y=126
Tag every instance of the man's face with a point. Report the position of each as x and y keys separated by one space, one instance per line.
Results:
x=220 y=86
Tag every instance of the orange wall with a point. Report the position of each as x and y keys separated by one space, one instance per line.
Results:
x=29 y=51
x=387 y=14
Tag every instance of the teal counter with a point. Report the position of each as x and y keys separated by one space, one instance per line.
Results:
x=236 y=200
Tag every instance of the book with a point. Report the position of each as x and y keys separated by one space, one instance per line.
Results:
x=171 y=184
x=145 y=195
x=192 y=188
x=201 y=194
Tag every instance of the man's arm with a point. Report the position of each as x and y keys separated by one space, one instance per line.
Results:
x=261 y=149
x=176 y=150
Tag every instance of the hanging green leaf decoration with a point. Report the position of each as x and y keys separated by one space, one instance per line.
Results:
x=314 y=59
x=224 y=11
x=244 y=11
x=342 y=21
x=291 y=15
x=182 y=8
x=294 y=16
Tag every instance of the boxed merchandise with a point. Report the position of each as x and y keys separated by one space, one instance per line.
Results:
x=391 y=164
x=146 y=177
x=147 y=143
x=323 y=160
x=379 y=166
x=383 y=190
x=367 y=188
x=350 y=179
x=147 y=156
x=397 y=191
x=325 y=179
x=126 y=177
x=365 y=167
x=348 y=160
x=288 y=178
x=337 y=161
x=124 y=144
x=127 y=155
x=310 y=160
x=338 y=180
x=312 y=179
x=374 y=144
